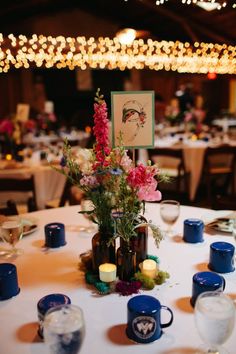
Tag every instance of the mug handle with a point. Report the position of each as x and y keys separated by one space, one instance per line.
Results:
x=223 y=282
x=164 y=325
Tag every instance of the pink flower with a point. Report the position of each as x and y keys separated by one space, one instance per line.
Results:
x=101 y=132
x=188 y=117
x=149 y=193
x=126 y=162
x=6 y=127
x=142 y=179
x=89 y=181
x=141 y=175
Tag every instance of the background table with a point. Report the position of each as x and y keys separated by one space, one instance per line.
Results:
x=193 y=152
x=49 y=183
x=43 y=272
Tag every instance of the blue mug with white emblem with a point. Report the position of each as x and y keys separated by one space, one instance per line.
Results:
x=47 y=302
x=144 y=319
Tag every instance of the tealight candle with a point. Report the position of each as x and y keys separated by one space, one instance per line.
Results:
x=107 y=272
x=149 y=268
x=8 y=157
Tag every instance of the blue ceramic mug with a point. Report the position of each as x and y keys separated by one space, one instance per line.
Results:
x=222 y=257
x=144 y=319
x=193 y=230
x=54 y=235
x=206 y=281
x=47 y=302
x=8 y=281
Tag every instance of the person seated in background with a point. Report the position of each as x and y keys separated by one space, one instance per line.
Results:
x=198 y=111
x=195 y=116
x=173 y=114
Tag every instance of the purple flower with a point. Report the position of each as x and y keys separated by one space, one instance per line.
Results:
x=116 y=171
x=63 y=161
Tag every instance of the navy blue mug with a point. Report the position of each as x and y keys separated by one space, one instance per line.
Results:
x=47 y=302
x=144 y=319
x=206 y=281
x=54 y=235
x=8 y=281
x=193 y=230
x=222 y=257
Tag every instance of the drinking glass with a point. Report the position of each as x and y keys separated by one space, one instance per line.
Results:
x=87 y=205
x=214 y=317
x=64 y=329
x=11 y=231
x=169 y=211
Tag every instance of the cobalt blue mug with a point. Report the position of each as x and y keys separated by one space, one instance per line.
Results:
x=54 y=235
x=222 y=257
x=144 y=319
x=8 y=281
x=193 y=230
x=47 y=302
x=206 y=281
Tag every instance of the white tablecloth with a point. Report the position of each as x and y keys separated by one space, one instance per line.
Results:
x=41 y=273
x=49 y=183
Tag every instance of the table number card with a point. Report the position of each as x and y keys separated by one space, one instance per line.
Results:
x=22 y=112
x=133 y=118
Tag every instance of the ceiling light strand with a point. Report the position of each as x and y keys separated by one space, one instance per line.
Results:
x=68 y=52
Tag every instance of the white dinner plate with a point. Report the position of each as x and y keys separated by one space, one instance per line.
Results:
x=219 y=220
x=30 y=225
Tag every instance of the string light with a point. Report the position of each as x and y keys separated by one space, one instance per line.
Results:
x=79 y=52
x=206 y=4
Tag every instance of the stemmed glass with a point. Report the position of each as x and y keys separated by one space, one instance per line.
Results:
x=169 y=211
x=214 y=317
x=87 y=206
x=11 y=231
x=64 y=329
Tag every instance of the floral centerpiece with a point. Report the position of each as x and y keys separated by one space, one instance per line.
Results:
x=116 y=187
x=12 y=132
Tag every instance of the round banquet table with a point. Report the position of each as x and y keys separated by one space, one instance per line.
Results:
x=41 y=272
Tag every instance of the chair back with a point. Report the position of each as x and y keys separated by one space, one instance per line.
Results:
x=10 y=209
x=20 y=185
x=174 y=165
x=218 y=162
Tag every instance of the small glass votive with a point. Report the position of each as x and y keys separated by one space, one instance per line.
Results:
x=47 y=302
x=107 y=272
x=149 y=268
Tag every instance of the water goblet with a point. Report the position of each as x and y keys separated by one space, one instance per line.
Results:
x=214 y=316
x=64 y=329
x=11 y=231
x=87 y=207
x=169 y=212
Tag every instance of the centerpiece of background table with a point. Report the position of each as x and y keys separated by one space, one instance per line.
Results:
x=117 y=190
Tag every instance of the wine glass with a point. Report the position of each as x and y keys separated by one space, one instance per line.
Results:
x=64 y=329
x=11 y=231
x=169 y=211
x=214 y=316
x=87 y=206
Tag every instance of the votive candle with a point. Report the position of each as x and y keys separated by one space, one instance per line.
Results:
x=107 y=272
x=149 y=268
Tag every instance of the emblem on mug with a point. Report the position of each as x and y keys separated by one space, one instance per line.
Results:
x=144 y=327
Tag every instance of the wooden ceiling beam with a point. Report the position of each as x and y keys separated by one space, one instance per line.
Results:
x=182 y=21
